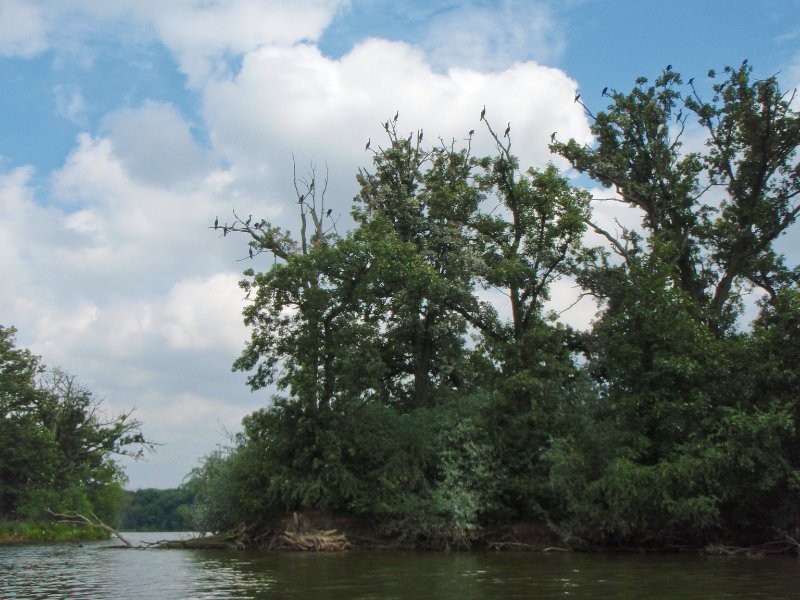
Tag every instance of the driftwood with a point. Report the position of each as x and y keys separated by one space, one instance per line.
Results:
x=80 y=519
x=310 y=541
x=788 y=545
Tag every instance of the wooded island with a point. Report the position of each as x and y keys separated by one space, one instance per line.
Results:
x=427 y=394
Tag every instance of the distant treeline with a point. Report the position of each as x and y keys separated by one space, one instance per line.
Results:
x=157 y=510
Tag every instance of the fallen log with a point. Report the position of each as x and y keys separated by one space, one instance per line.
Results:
x=80 y=519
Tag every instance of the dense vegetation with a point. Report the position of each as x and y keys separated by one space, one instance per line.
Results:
x=157 y=510
x=56 y=445
x=426 y=388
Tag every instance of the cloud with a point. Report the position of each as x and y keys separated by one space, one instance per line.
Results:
x=155 y=145
x=23 y=30
x=202 y=34
x=295 y=100
x=493 y=37
x=70 y=103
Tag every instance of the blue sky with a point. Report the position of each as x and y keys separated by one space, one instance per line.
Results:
x=126 y=126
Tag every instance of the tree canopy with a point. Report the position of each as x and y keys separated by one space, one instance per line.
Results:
x=57 y=446
x=423 y=384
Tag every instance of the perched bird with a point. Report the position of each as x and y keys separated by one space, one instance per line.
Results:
x=251 y=253
x=250 y=218
x=419 y=136
x=471 y=132
x=553 y=136
x=669 y=68
x=508 y=130
x=396 y=116
x=328 y=214
x=577 y=95
x=483 y=112
x=386 y=126
x=605 y=91
x=225 y=230
x=410 y=137
x=660 y=129
x=691 y=81
x=367 y=146
x=216 y=222
x=679 y=115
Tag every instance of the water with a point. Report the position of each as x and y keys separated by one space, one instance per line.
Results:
x=96 y=571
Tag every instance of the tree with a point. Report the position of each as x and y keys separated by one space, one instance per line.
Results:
x=719 y=248
x=685 y=451
x=57 y=446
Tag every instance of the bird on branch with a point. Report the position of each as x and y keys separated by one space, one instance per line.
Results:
x=553 y=137
x=367 y=146
x=250 y=218
x=577 y=96
x=605 y=91
x=669 y=68
x=328 y=214
x=507 y=131
x=483 y=112
x=216 y=222
x=471 y=132
x=396 y=116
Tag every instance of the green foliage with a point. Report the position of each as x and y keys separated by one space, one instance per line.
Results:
x=157 y=510
x=410 y=399
x=56 y=446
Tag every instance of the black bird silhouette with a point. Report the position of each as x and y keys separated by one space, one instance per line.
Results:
x=216 y=222
x=553 y=136
x=679 y=115
x=605 y=91
x=508 y=130
x=367 y=146
x=251 y=253
x=396 y=116
x=330 y=210
x=471 y=132
x=577 y=95
x=419 y=136
x=669 y=68
x=386 y=126
x=483 y=112
x=691 y=81
x=410 y=137
x=250 y=218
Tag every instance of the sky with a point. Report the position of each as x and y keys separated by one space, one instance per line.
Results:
x=127 y=126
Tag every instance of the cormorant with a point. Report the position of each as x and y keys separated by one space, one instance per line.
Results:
x=471 y=132
x=508 y=130
x=216 y=222
x=553 y=137
x=483 y=112
x=367 y=146
x=605 y=91
x=328 y=214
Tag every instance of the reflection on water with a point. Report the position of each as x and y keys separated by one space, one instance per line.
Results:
x=95 y=571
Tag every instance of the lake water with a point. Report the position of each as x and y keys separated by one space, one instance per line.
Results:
x=96 y=571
